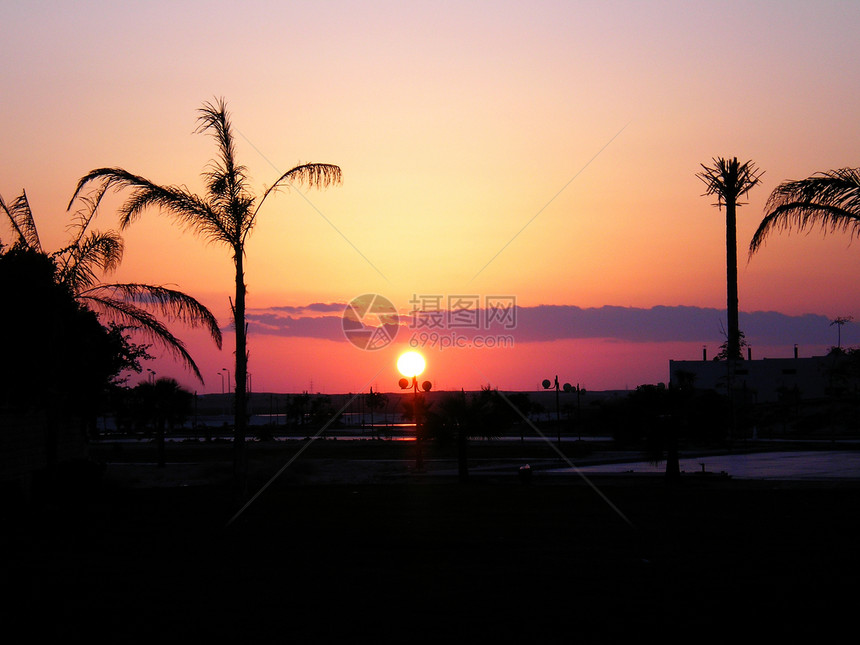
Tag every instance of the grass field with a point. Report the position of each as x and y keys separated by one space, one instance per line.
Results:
x=423 y=559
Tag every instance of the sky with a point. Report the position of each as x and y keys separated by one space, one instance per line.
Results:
x=544 y=153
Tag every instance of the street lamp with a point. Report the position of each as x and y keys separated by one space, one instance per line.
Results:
x=411 y=364
x=567 y=387
x=250 y=393
x=547 y=384
x=151 y=375
x=227 y=403
x=224 y=399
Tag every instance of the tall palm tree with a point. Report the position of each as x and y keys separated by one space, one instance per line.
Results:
x=225 y=215
x=839 y=321
x=728 y=180
x=133 y=306
x=829 y=199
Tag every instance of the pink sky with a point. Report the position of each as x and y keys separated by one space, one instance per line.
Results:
x=545 y=150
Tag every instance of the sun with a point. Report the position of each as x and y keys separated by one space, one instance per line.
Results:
x=410 y=364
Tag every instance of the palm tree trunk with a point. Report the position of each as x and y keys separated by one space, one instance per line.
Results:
x=240 y=459
x=733 y=345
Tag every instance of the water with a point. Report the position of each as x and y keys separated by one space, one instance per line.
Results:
x=801 y=465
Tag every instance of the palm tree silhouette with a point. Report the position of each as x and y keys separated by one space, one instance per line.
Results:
x=839 y=321
x=167 y=404
x=829 y=199
x=728 y=180
x=226 y=215
x=131 y=306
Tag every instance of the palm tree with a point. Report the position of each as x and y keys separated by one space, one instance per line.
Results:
x=167 y=404
x=225 y=215
x=131 y=306
x=729 y=180
x=839 y=321
x=830 y=200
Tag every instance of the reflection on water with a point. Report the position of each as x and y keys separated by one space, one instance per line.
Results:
x=829 y=464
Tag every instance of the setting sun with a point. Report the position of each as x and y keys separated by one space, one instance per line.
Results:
x=530 y=262
x=410 y=364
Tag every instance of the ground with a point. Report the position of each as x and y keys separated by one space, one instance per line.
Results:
x=416 y=557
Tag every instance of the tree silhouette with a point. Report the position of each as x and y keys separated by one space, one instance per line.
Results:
x=459 y=417
x=830 y=200
x=728 y=180
x=166 y=404
x=129 y=306
x=375 y=401
x=723 y=354
x=839 y=321
x=297 y=407
x=58 y=358
x=225 y=215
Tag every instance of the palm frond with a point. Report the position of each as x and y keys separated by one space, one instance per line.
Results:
x=803 y=215
x=728 y=179
x=133 y=317
x=830 y=200
x=220 y=180
x=21 y=218
x=83 y=217
x=174 y=305
x=839 y=188
x=225 y=178
x=312 y=175
x=188 y=209
x=79 y=262
x=214 y=117
x=106 y=179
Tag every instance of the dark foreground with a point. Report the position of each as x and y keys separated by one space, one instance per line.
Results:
x=491 y=561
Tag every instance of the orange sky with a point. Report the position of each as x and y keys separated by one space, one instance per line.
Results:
x=545 y=150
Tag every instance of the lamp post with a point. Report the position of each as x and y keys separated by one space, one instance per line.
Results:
x=227 y=402
x=547 y=384
x=411 y=364
x=151 y=375
x=250 y=395
x=567 y=387
x=579 y=392
x=223 y=391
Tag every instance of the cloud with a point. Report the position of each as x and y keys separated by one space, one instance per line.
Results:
x=546 y=323
x=274 y=324
x=666 y=324
x=314 y=307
